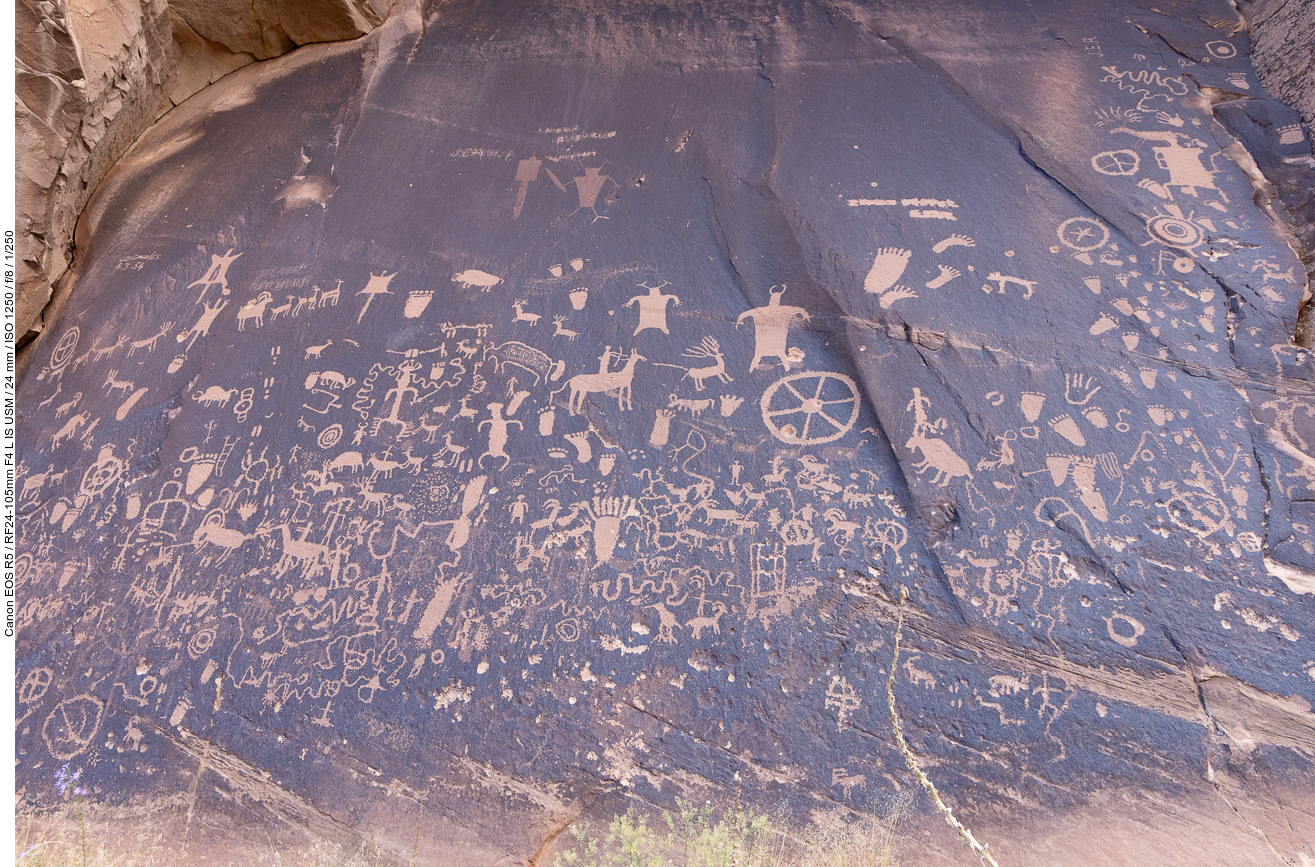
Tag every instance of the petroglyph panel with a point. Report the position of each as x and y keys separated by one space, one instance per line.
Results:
x=532 y=419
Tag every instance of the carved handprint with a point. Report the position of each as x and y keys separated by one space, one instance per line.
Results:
x=1079 y=389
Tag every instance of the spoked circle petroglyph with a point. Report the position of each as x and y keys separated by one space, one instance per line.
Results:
x=810 y=407
x=1120 y=162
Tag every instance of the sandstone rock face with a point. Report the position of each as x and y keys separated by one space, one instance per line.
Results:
x=92 y=75
x=460 y=433
x=1282 y=51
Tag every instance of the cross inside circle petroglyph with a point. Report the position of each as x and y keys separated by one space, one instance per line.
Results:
x=1083 y=234
x=70 y=727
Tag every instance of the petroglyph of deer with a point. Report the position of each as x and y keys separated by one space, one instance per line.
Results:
x=558 y=322
x=149 y=343
x=693 y=407
x=345 y=461
x=522 y=316
x=215 y=533
x=35 y=482
x=414 y=463
x=382 y=466
x=839 y=526
x=65 y=408
x=112 y=384
x=372 y=497
x=98 y=354
x=708 y=348
x=332 y=295
x=278 y=311
x=450 y=448
x=847 y=781
x=311 y=556
x=319 y=481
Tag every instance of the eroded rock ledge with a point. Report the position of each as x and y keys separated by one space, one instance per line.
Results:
x=92 y=74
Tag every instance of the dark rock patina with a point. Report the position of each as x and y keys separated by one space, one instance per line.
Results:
x=472 y=429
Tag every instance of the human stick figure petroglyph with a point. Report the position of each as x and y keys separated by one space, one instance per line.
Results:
x=202 y=326
x=216 y=274
x=587 y=187
x=771 y=329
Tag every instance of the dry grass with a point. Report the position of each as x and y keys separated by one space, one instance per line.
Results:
x=64 y=839
x=697 y=836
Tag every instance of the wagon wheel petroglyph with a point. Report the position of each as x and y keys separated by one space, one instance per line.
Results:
x=810 y=407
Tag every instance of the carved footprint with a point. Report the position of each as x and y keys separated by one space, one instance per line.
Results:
x=580 y=440
x=895 y=295
x=887 y=268
x=1096 y=418
x=1103 y=324
x=1130 y=340
x=1066 y=427
x=954 y=241
x=947 y=274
